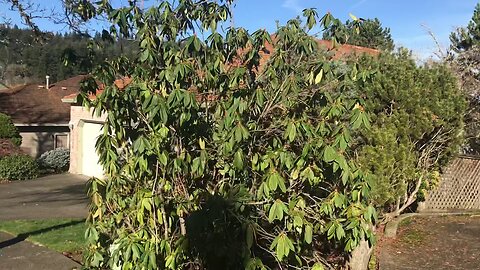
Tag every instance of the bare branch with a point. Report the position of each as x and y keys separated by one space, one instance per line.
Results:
x=441 y=52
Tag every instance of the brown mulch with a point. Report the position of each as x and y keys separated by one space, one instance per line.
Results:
x=75 y=256
x=448 y=242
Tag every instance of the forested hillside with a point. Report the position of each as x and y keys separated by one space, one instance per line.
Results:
x=26 y=57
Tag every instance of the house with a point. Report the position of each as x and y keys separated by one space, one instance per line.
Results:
x=85 y=127
x=40 y=115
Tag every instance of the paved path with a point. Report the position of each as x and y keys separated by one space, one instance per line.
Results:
x=437 y=243
x=57 y=196
x=16 y=254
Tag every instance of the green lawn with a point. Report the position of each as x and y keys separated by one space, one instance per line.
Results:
x=62 y=235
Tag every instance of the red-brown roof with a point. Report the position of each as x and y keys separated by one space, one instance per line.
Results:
x=341 y=51
x=30 y=104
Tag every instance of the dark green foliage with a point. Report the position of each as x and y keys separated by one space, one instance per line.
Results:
x=8 y=130
x=463 y=38
x=366 y=33
x=212 y=163
x=57 y=160
x=18 y=167
x=417 y=126
x=465 y=63
x=24 y=58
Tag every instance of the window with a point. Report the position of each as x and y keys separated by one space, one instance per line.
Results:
x=61 y=141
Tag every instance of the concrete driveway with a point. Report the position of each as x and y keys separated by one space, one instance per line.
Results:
x=55 y=196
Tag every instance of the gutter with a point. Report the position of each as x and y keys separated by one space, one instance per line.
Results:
x=41 y=125
x=70 y=100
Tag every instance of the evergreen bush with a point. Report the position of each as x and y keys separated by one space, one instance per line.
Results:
x=8 y=130
x=18 y=167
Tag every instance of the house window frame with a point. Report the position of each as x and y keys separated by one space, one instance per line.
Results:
x=56 y=135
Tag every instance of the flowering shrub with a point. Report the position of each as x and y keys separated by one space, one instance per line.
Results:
x=57 y=160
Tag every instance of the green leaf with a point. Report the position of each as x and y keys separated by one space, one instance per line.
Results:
x=292 y=132
x=329 y=154
x=294 y=174
x=308 y=234
x=163 y=159
x=273 y=181
x=319 y=77
x=317 y=266
x=340 y=232
x=283 y=246
x=249 y=234
x=201 y=143
x=238 y=159
x=276 y=211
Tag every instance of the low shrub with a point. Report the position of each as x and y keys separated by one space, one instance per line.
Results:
x=8 y=130
x=57 y=160
x=18 y=167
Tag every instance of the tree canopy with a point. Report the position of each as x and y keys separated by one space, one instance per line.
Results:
x=465 y=38
x=463 y=60
x=367 y=33
x=25 y=58
x=417 y=127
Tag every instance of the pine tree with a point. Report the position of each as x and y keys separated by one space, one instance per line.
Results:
x=465 y=38
x=367 y=33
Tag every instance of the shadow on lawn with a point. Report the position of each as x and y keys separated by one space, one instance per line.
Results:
x=21 y=237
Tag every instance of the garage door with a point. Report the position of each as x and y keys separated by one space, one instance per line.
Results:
x=89 y=158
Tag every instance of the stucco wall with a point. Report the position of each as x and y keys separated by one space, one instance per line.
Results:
x=79 y=114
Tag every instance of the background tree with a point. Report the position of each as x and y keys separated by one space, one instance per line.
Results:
x=367 y=33
x=8 y=130
x=417 y=127
x=463 y=60
x=465 y=65
x=465 y=38
x=25 y=59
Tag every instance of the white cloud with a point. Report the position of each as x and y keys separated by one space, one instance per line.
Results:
x=293 y=5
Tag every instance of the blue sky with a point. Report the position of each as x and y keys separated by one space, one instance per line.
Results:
x=404 y=17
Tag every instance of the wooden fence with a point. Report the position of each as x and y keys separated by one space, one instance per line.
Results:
x=459 y=188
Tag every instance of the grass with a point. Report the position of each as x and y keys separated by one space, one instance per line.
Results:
x=405 y=222
x=61 y=235
x=414 y=237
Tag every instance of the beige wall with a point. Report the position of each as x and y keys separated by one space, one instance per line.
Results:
x=79 y=115
x=37 y=140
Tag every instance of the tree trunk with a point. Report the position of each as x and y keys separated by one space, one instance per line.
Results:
x=360 y=256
